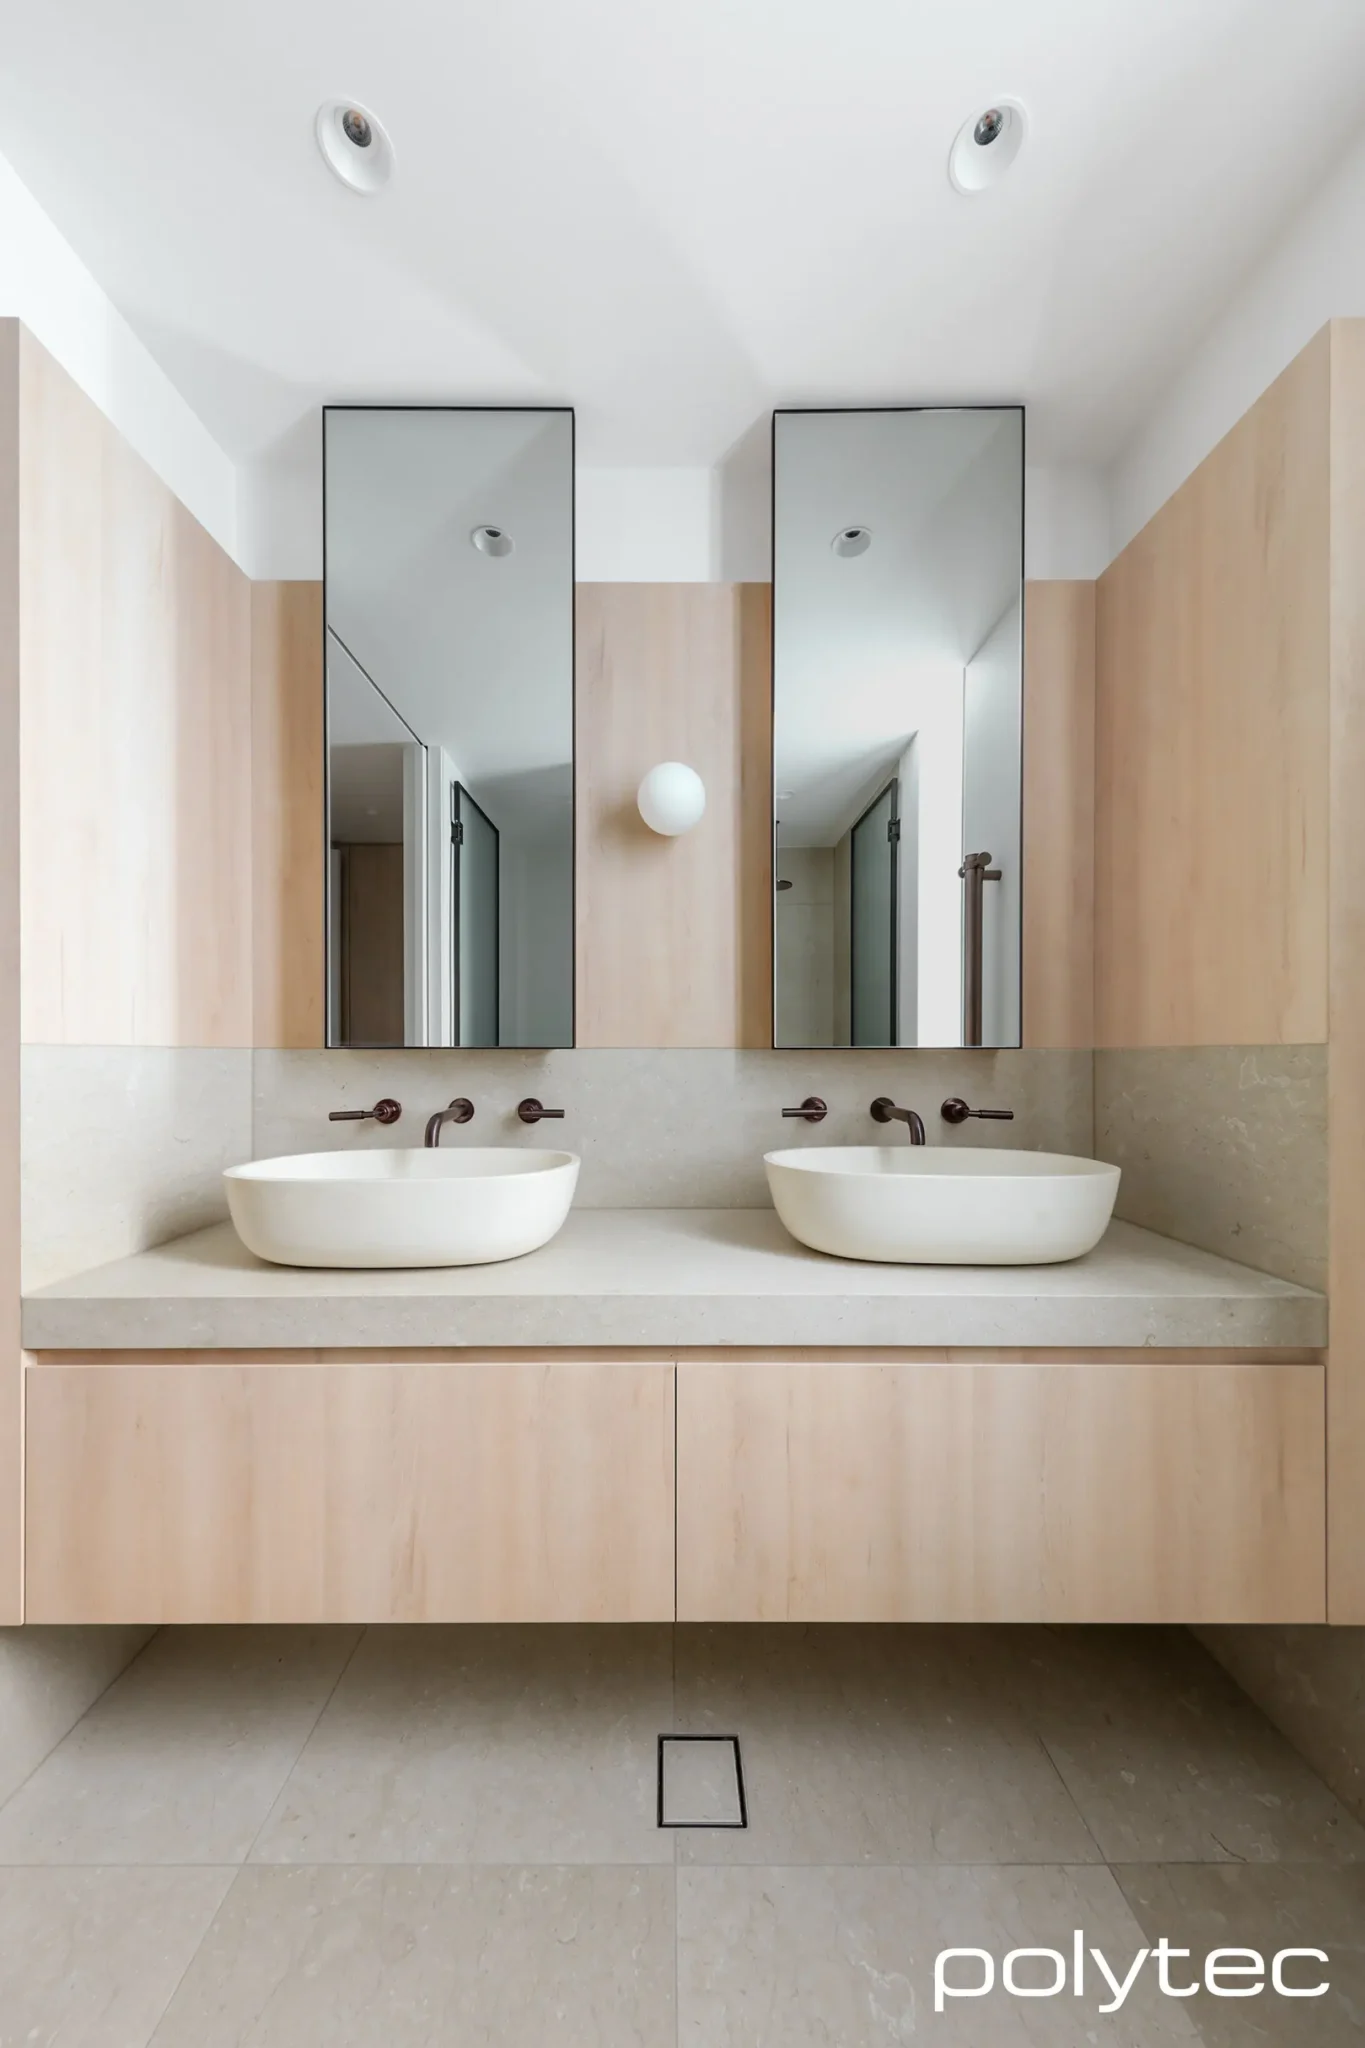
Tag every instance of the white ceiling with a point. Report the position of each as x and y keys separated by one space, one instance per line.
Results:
x=675 y=217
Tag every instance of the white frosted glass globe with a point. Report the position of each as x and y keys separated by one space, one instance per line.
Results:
x=672 y=798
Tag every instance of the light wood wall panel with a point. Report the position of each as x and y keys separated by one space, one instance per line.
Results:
x=135 y=743
x=1346 y=1049
x=533 y=1491
x=289 y=997
x=11 y=1358
x=1211 y=743
x=1059 y=814
x=674 y=935
x=988 y=1492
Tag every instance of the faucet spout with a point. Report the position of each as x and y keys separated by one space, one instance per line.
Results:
x=885 y=1111
x=459 y=1112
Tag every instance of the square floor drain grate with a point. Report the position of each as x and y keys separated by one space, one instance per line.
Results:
x=701 y=1782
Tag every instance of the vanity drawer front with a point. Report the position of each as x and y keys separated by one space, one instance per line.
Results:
x=1067 y=1492
x=525 y=1491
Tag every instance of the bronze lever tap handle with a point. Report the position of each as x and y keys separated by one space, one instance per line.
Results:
x=385 y=1111
x=812 y=1110
x=955 y=1111
x=530 y=1110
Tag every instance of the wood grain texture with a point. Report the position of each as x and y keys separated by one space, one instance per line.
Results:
x=135 y=743
x=289 y=969
x=1059 y=814
x=371 y=977
x=1346 y=1048
x=673 y=935
x=989 y=1493
x=1149 y=1356
x=1211 y=743
x=11 y=1358
x=491 y=1492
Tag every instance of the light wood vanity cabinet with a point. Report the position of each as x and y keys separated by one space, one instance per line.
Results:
x=258 y=1490
x=320 y=1487
x=1072 y=1490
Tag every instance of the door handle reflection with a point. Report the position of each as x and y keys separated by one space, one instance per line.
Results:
x=976 y=871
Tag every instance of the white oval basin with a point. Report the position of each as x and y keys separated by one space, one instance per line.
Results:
x=935 y=1205
x=465 y=1207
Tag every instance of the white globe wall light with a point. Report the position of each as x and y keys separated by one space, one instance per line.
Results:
x=672 y=798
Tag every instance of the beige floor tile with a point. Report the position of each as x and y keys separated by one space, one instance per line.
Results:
x=868 y=1745
x=808 y=1958
x=181 y=1760
x=534 y=1957
x=485 y=1745
x=89 y=1958
x=1266 y=1907
x=1166 y=1758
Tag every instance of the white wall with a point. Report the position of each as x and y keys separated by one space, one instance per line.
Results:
x=907 y=899
x=44 y=284
x=1066 y=522
x=991 y=739
x=633 y=525
x=536 y=938
x=1314 y=273
x=939 y=930
x=646 y=526
x=279 y=508
x=680 y=525
x=706 y=525
x=804 y=929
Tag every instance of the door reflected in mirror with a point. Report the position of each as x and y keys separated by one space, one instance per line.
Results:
x=897 y=726
x=450 y=693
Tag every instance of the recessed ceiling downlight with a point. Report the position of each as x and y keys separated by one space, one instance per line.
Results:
x=986 y=145
x=491 y=540
x=852 y=540
x=354 y=145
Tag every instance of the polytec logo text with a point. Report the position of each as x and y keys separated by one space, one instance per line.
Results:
x=1048 y=1973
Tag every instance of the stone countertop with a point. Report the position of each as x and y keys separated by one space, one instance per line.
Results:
x=669 y=1278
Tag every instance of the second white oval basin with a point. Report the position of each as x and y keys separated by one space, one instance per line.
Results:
x=414 y=1207
x=935 y=1205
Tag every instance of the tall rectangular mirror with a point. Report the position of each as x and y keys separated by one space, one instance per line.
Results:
x=898 y=545
x=449 y=570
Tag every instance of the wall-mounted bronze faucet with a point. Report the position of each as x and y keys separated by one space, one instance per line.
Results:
x=459 y=1112
x=885 y=1111
x=812 y=1110
x=955 y=1111
x=385 y=1111
x=530 y=1110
